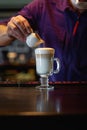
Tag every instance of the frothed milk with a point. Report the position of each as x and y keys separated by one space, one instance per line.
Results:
x=44 y=60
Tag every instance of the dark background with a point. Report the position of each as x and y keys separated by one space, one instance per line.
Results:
x=17 y=60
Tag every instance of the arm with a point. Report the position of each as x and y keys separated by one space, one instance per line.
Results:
x=4 y=38
x=17 y=28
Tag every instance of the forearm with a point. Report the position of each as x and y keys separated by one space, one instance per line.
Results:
x=4 y=38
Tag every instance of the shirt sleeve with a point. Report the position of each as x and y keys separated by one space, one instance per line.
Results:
x=6 y=20
x=32 y=12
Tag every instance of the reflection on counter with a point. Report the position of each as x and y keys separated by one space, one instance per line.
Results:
x=43 y=102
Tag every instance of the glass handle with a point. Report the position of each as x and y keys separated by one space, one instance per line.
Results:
x=58 y=65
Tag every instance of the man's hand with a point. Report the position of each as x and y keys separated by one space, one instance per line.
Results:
x=19 y=28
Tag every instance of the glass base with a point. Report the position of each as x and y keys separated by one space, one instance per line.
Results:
x=45 y=87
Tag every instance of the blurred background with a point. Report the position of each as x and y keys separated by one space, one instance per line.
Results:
x=17 y=61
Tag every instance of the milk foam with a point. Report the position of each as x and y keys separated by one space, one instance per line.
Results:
x=44 y=51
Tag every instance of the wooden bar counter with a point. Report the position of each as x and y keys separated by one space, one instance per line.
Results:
x=67 y=102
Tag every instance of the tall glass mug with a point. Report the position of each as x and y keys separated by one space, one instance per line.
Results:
x=45 y=66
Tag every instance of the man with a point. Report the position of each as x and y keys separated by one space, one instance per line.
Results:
x=63 y=26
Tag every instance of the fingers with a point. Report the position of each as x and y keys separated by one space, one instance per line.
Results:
x=22 y=24
x=15 y=32
x=18 y=27
x=26 y=24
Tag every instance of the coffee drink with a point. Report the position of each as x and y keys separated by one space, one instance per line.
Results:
x=45 y=60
